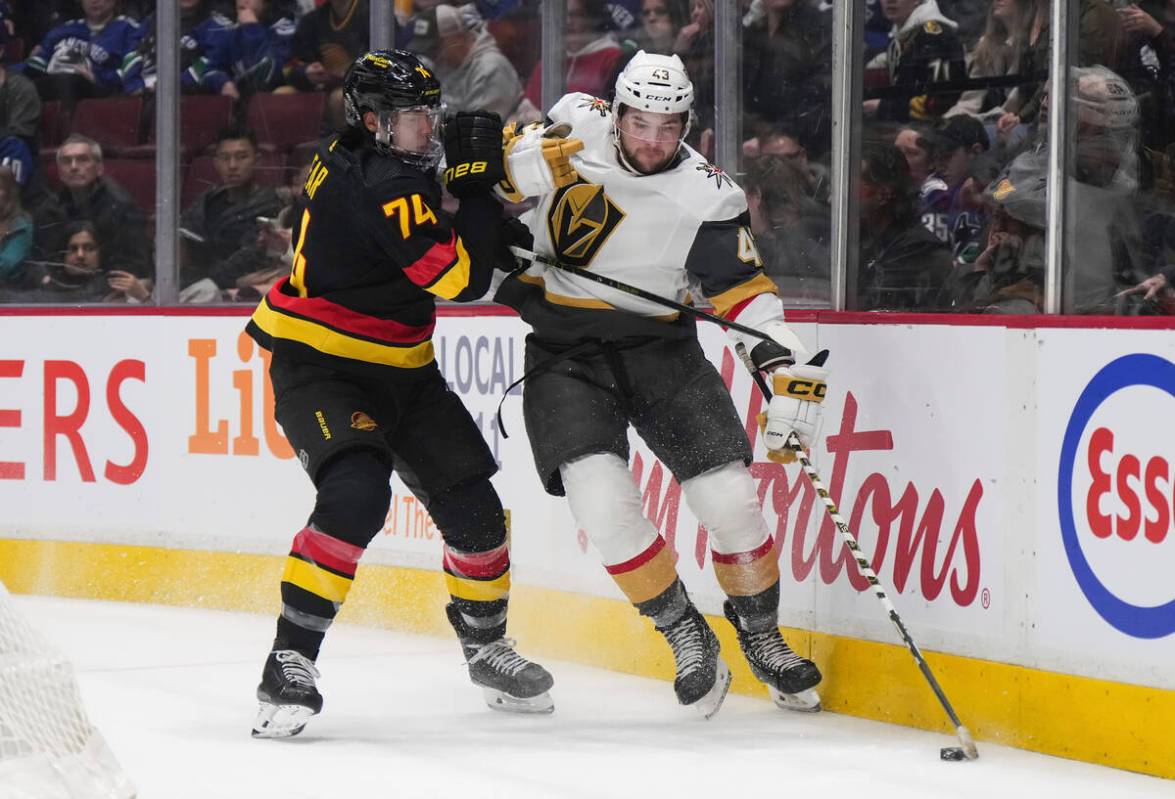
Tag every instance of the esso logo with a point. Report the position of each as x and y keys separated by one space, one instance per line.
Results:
x=1116 y=494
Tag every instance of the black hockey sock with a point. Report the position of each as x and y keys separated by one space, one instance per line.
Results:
x=480 y=622
x=758 y=612
x=291 y=636
x=667 y=607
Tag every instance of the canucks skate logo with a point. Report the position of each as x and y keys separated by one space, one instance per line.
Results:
x=596 y=104
x=712 y=171
x=581 y=219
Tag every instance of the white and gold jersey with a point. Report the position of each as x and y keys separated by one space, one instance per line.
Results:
x=683 y=229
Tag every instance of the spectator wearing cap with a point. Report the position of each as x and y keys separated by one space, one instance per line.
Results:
x=1102 y=189
x=84 y=57
x=87 y=193
x=904 y=267
x=325 y=43
x=474 y=72
x=949 y=209
x=1008 y=275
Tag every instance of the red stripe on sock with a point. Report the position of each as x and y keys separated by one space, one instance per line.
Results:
x=327 y=550
x=478 y=565
x=640 y=560
x=736 y=558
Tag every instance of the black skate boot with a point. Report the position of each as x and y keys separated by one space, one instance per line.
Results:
x=790 y=679
x=702 y=677
x=287 y=694
x=509 y=681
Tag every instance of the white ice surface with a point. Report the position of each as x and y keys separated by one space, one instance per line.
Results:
x=172 y=691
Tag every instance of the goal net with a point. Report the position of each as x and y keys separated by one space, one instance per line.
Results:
x=48 y=748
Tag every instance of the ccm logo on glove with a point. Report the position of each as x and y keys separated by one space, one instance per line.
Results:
x=800 y=389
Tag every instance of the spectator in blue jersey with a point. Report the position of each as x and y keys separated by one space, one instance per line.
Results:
x=87 y=194
x=16 y=230
x=20 y=113
x=475 y=74
x=84 y=57
x=249 y=57
x=223 y=219
x=200 y=29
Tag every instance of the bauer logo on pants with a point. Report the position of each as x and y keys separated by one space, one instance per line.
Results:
x=1116 y=494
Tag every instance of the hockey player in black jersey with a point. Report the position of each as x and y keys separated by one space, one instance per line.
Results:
x=358 y=391
x=627 y=199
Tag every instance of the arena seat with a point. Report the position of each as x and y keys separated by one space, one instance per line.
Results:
x=284 y=120
x=113 y=122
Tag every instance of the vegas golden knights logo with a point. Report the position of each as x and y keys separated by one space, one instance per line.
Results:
x=581 y=219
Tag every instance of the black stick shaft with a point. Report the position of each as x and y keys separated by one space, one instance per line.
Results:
x=689 y=310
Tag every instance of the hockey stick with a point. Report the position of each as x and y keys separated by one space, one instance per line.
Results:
x=968 y=751
x=688 y=310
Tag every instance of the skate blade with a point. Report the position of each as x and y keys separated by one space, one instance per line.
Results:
x=806 y=701
x=280 y=721
x=504 y=702
x=711 y=703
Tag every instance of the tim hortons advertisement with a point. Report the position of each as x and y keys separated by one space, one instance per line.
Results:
x=1105 y=540
x=159 y=430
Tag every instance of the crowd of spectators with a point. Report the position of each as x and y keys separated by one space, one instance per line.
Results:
x=953 y=175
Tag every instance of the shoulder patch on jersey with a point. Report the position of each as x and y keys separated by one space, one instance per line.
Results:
x=596 y=104
x=932 y=27
x=721 y=179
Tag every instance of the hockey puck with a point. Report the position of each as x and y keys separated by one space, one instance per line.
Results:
x=952 y=753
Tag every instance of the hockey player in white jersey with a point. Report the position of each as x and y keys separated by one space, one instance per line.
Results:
x=627 y=199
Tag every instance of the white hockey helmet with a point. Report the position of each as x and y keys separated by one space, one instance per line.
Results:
x=655 y=83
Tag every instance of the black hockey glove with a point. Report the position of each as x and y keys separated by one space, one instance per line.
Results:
x=514 y=234
x=473 y=153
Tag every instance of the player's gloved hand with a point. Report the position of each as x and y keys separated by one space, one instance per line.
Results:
x=473 y=153
x=796 y=406
x=514 y=234
x=538 y=160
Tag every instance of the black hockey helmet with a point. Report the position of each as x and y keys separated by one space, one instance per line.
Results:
x=387 y=81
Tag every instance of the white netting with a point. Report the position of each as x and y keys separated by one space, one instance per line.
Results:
x=48 y=748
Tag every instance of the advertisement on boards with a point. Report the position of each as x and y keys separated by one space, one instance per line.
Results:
x=1106 y=531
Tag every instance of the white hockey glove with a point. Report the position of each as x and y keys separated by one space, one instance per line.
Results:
x=796 y=406
x=538 y=161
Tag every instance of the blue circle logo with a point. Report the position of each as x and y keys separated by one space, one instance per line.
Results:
x=1129 y=370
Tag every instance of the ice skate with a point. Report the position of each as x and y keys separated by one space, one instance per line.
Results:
x=702 y=677
x=790 y=679
x=287 y=694
x=508 y=681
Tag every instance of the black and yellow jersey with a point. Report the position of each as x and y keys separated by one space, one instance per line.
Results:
x=372 y=251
